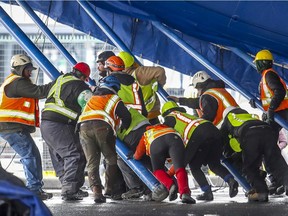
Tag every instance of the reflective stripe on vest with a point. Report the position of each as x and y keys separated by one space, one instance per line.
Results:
x=130 y=97
x=189 y=124
x=19 y=110
x=107 y=114
x=237 y=120
x=224 y=100
x=267 y=94
x=58 y=106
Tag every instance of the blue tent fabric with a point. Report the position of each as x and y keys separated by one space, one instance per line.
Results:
x=207 y=26
x=10 y=191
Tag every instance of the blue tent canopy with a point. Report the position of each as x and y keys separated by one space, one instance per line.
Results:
x=209 y=27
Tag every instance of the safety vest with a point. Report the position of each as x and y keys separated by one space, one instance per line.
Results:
x=185 y=124
x=154 y=132
x=224 y=100
x=130 y=97
x=136 y=119
x=101 y=108
x=236 y=120
x=19 y=110
x=58 y=105
x=149 y=93
x=266 y=93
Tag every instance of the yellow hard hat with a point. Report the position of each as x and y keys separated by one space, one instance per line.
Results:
x=167 y=106
x=263 y=55
x=127 y=58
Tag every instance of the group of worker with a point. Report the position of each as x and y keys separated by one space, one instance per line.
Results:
x=80 y=124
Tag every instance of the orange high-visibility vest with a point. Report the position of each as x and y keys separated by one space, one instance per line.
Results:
x=101 y=107
x=266 y=93
x=19 y=110
x=224 y=100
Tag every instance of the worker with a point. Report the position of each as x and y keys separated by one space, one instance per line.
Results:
x=59 y=119
x=130 y=92
x=213 y=99
x=148 y=78
x=273 y=96
x=161 y=142
x=20 y=117
x=98 y=123
x=203 y=146
x=102 y=57
x=256 y=140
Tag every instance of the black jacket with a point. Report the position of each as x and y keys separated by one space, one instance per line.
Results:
x=69 y=95
x=209 y=103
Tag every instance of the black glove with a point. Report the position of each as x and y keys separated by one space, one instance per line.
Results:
x=252 y=103
x=270 y=116
x=264 y=116
x=130 y=155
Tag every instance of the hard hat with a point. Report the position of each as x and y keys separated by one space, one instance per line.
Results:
x=115 y=63
x=110 y=82
x=102 y=57
x=227 y=110
x=167 y=106
x=263 y=55
x=84 y=97
x=19 y=62
x=83 y=68
x=199 y=77
x=127 y=58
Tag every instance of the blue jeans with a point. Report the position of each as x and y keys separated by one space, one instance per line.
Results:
x=24 y=145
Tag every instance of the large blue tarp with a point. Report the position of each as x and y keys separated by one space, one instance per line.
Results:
x=210 y=27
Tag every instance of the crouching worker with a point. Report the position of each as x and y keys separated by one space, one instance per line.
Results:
x=161 y=142
x=203 y=144
x=257 y=140
x=97 y=124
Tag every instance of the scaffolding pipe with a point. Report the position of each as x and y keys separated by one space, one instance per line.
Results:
x=28 y=45
x=49 y=34
x=191 y=51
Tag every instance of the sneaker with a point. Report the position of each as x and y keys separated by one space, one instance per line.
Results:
x=207 y=196
x=233 y=187
x=186 y=198
x=132 y=193
x=160 y=193
x=72 y=196
x=43 y=195
x=258 y=197
x=83 y=193
x=173 y=192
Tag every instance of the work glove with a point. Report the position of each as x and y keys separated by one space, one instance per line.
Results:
x=130 y=155
x=252 y=103
x=270 y=116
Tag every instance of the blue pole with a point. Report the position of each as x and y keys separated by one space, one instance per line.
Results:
x=141 y=171
x=27 y=45
x=186 y=47
x=104 y=27
x=49 y=34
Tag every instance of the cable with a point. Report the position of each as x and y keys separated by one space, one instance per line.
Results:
x=3 y=148
x=11 y=161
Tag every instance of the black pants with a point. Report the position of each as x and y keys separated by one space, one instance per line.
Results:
x=205 y=148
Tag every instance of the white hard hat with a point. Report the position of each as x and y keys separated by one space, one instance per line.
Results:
x=199 y=77
x=20 y=60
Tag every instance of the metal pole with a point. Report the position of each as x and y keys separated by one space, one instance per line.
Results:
x=191 y=51
x=49 y=34
x=28 y=45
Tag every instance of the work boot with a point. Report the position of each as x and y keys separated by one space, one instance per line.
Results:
x=257 y=197
x=173 y=192
x=233 y=187
x=160 y=193
x=186 y=198
x=273 y=188
x=67 y=196
x=97 y=193
x=133 y=193
x=42 y=194
x=116 y=197
x=280 y=190
x=83 y=193
x=207 y=195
